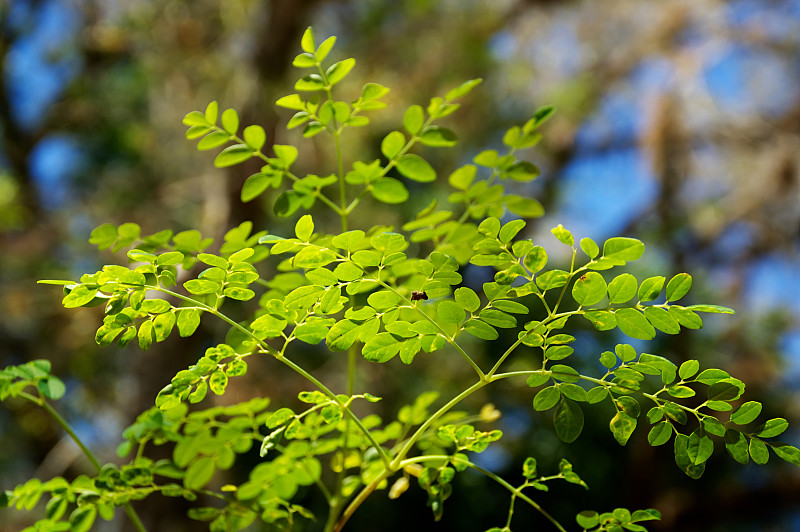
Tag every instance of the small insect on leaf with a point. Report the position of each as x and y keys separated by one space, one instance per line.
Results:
x=416 y=295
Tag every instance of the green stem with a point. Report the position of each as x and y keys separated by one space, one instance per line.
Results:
x=342 y=189
x=39 y=401
x=360 y=498
x=514 y=491
x=432 y=419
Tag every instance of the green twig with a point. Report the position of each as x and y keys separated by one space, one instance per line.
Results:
x=40 y=401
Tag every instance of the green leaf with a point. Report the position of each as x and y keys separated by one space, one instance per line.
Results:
x=217 y=382
x=392 y=144
x=552 y=279
x=523 y=171
x=79 y=296
x=416 y=168
x=304 y=60
x=438 y=137
x=232 y=155
x=660 y=433
x=509 y=306
x=461 y=178
x=589 y=289
x=291 y=101
x=650 y=288
x=787 y=452
x=563 y=235
x=510 y=230
x=589 y=247
x=307 y=41
x=325 y=48
x=634 y=324
x=201 y=286
x=587 y=519
x=539 y=117
x=255 y=136
x=683 y=460
x=772 y=428
x=608 y=359
x=146 y=335
x=348 y=240
x=662 y=320
x=82 y=519
x=565 y=373
x=467 y=299
x=51 y=387
x=568 y=420
x=537 y=379
x=522 y=206
x=686 y=317
x=212 y=111
x=622 y=426
x=373 y=91
x=230 y=121
x=337 y=71
x=710 y=376
x=758 y=451
x=383 y=299
x=699 y=446
x=413 y=119
x=481 y=330
x=713 y=309
x=747 y=413
x=688 y=369
x=601 y=319
x=199 y=473
x=723 y=391
x=462 y=89
x=497 y=318
x=389 y=190
x=256 y=184
x=304 y=228
x=678 y=286
x=736 y=445
x=381 y=348
x=622 y=288
x=215 y=139
x=546 y=398
x=103 y=236
x=623 y=249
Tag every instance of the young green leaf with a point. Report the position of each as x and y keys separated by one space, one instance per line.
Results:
x=563 y=235
x=462 y=89
x=413 y=119
x=307 y=41
x=304 y=228
x=337 y=71
x=392 y=144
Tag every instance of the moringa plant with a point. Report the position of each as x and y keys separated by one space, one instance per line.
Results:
x=378 y=293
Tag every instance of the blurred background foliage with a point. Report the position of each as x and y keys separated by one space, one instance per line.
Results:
x=678 y=123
